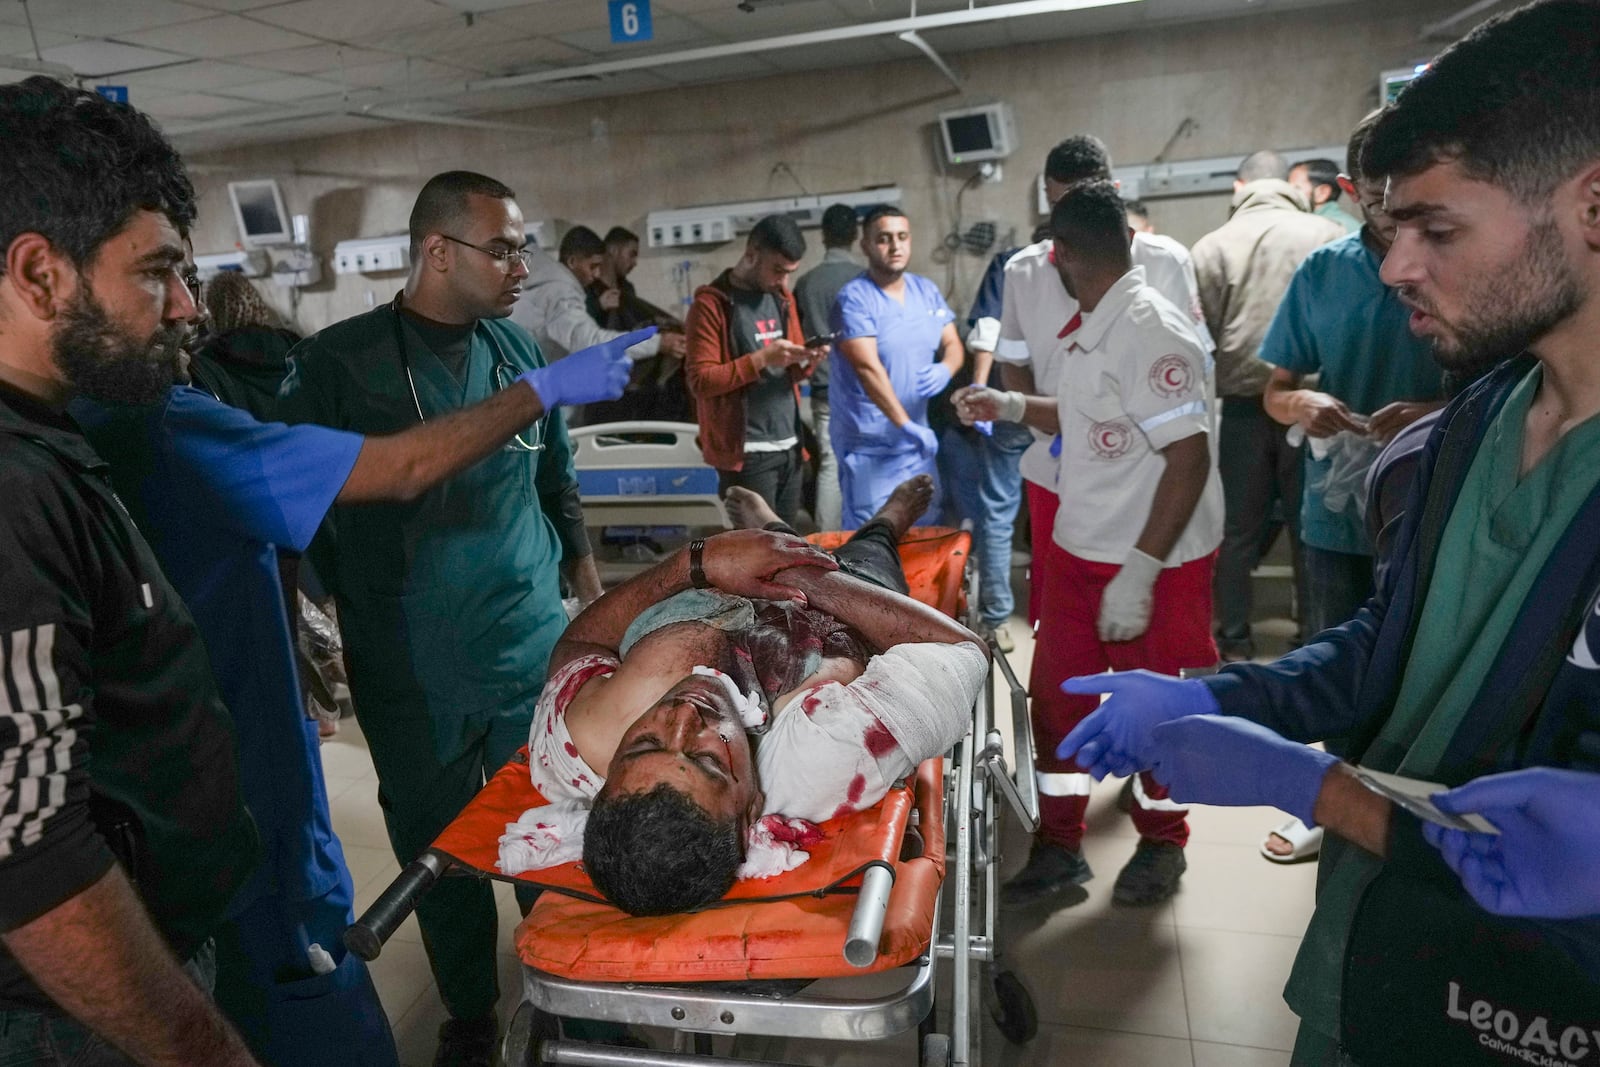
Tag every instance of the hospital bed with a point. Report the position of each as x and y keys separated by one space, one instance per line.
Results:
x=873 y=910
x=645 y=484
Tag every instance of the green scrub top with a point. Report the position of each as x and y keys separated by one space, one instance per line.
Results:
x=449 y=603
x=1500 y=534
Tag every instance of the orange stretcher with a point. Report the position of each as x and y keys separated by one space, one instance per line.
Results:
x=868 y=901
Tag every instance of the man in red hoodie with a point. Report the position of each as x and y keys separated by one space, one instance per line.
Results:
x=746 y=356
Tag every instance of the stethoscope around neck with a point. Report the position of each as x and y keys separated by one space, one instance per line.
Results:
x=505 y=373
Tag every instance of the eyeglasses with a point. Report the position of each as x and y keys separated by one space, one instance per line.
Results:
x=507 y=260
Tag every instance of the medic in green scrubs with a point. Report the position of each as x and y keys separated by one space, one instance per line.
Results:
x=449 y=603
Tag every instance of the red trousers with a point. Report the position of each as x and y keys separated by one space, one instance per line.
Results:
x=1047 y=555
x=1067 y=646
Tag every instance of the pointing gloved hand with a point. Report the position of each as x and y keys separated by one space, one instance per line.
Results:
x=1545 y=862
x=599 y=372
x=1125 y=604
x=1220 y=759
x=1115 y=737
x=932 y=379
x=927 y=444
x=979 y=403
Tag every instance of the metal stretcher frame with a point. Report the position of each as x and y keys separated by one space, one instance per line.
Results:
x=964 y=930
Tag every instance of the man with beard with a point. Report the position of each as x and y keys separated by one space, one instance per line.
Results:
x=217 y=492
x=896 y=348
x=449 y=600
x=122 y=832
x=1474 y=664
x=746 y=360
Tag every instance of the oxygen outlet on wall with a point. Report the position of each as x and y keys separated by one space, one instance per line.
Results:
x=990 y=173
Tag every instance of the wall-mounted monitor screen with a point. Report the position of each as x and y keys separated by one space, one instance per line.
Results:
x=258 y=209
x=978 y=134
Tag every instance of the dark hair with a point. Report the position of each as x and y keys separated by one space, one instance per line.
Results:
x=882 y=211
x=840 y=226
x=1136 y=207
x=1263 y=164
x=658 y=853
x=1322 y=172
x=1079 y=158
x=442 y=205
x=580 y=242
x=780 y=234
x=1516 y=103
x=618 y=236
x=76 y=168
x=1091 y=220
x=1358 y=138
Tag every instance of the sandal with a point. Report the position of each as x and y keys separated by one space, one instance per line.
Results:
x=1305 y=843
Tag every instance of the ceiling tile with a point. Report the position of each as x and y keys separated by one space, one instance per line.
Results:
x=191 y=106
x=95 y=59
x=551 y=18
x=198 y=76
x=444 y=35
x=513 y=57
x=350 y=21
x=402 y=74
x=279 y=90
x=236 y=5
x=219 y=37
x=317 y=59
x=731 y=23
x=16 y=41
x=112 y=18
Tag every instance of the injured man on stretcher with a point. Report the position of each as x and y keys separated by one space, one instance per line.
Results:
x=694 y=711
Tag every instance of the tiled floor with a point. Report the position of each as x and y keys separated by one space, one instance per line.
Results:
x=1194 y=982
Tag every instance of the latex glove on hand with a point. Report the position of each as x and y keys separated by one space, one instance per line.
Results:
x=927 y=444
x=1115 y=737
x=1220 y=759
x=932 y=379
x=979 y=403
x=599 y=372
x=1545 y=862
x=1125 y=604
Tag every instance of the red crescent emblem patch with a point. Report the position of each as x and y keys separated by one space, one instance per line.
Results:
x=1171 y=376
x=1111 y=440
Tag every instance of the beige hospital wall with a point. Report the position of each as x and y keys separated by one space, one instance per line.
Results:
x=1300 y=78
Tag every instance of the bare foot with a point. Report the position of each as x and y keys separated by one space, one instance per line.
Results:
x=747 y=510
x=907 y=503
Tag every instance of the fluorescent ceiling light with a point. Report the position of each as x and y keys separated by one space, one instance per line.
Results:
x=888 y=27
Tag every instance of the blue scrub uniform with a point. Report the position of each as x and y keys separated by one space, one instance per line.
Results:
x=449 y=604
x=214 y=491
x=874 y=454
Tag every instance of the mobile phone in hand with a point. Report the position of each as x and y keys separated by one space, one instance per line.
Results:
x=818 y=340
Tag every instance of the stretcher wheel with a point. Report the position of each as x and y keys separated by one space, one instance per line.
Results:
x=935 y=1051
x=1011 y=1008
x=528 y=1027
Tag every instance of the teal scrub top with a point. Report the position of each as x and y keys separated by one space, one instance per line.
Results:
x=1339 y=320
x=450 y=603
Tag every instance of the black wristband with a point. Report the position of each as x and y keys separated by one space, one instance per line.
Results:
x=697 y=570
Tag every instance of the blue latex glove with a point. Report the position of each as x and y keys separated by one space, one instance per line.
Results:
x=1220 y=759
x=1545 y=862
x=985 y=427
x=599 y=372
x=927 y=444
x=1055 y=447
x=932 y=379
x=1115 y=737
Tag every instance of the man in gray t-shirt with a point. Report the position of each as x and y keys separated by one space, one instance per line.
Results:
x=814 y=292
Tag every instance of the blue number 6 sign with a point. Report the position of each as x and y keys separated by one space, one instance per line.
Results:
x=630 y=20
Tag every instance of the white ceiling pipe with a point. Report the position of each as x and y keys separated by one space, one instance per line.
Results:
x=886 y=28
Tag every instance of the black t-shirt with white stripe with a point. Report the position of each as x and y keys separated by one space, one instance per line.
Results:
x=114 y=745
